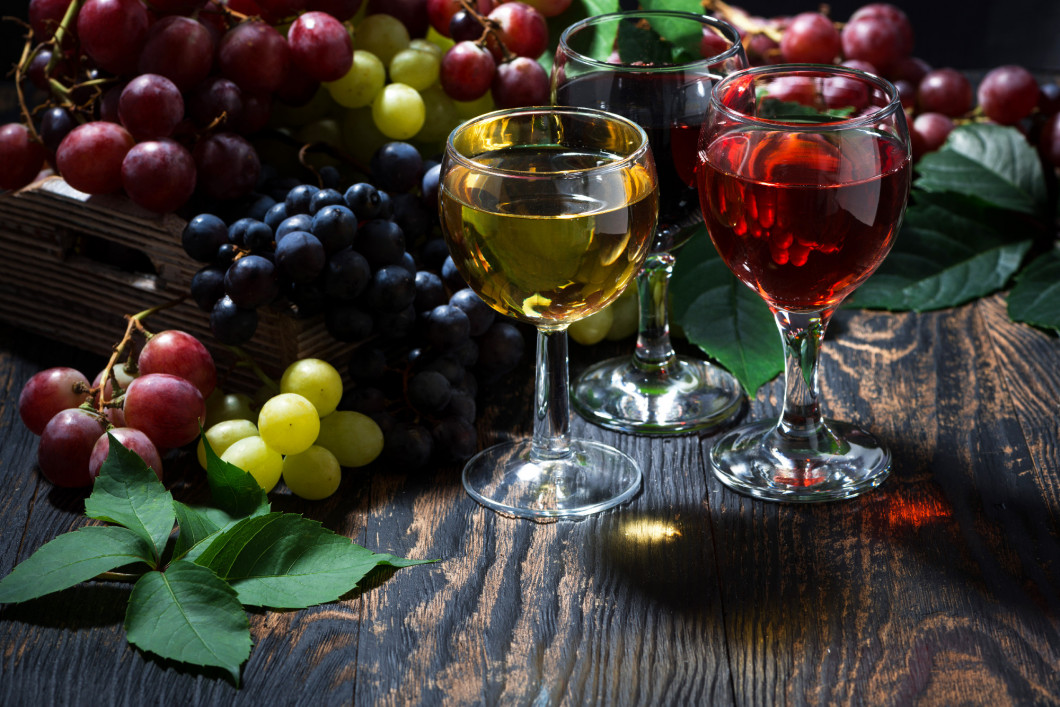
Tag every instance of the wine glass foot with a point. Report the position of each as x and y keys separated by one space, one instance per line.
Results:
x=753 y=459
x=688 y=396
x=592 y=478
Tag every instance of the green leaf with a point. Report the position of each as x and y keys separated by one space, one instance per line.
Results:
x=129 y=493
x=283 y=560
x=1035 y=298
x=642 y=44
x=724 y=317
x=73 y=558
x=188 y=614
x=946 y=254
x=988 y=162
x=685 y=37
x=234 y=491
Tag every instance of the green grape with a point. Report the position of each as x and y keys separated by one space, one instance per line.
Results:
x=314 y=474
x=382 y=35
x=626 y=314
x=253 y=456
x=223 y=435
x=288 y=423
x=440 y=117
x=437 y=38
x=352 y=437
x=315 y=380
x=398 y=111
x=325 y=131
x=361 y=84
x=222 y=406
x=415 y=67
x=470 y=109
x=359 y=134
x=427 y=45
x=592 y=329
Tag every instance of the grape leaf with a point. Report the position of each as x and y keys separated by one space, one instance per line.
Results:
x=684 y=36
x=643 y=44
x=188 y=614
x=282 y=560
x=724 y=317
x=73 y=558
x=1035 y=298
x=128 y=493
x=989 y=162
x=233 y=490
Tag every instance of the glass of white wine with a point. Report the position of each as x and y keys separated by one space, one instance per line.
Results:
x=549 y=214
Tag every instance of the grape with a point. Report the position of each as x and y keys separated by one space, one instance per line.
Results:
x=254 y=55
x=411 y=13
x=181 y=354
x=341 y=10
x=397 y=167
x=346 y=322
x=429 y=391
x=55 y=124
x=1049 y=141
x=158 y=175
x=65 y=447
x=49 y=392
x=841 y=92
x=893 y=15
x=112 y=32
x=346 y=275
x=315 y=380
x=382 y=35
x=398 y=110
x=520 y=82
x=711 y=44
x=501 y=348
x=251 y=282
x=945 y=91
x=381 y=242
x=166 y=408
x=288 y=423
x=131 y=439
x=361 y=84
x=232 y=324
x=291 y=224
x=479 y=314
x=880 y=39
x=335 y=226
x=592 y=329
x=447 y=326
x=313 y=474
x=522 y=28
x=202 y=236
x=253 y=456
x=22 y=156
x=227 y=166
x=119 y=375
x=39 y=73
x=363 y=200
x=794 y=89
x=1049 y=99
x=763 y=49
x=928 y=132
x=408 y=445
x=551 y=8
x=45 y=15
x=300 y=256
x=276 y=215
x=180 y=49
x=214 y=99
x=258 y=237
x=1008 y=94
x=354 y=438
x=367 y=364
x=430 y=291
x=226 y=255
x=440 y=115
x=415 y=67
x=393 y=288
x=451 y=276
x=323 y=198
x=911 y=69
x=90 y=158
x=222 y=435
x=207 y=287
x=440 y=14
x=465 y=27
x=456 y=436
x=320 y=46
x=221 y=407
x=299 y=199
x=810 y=38
x=467 y=71
x=298 y=88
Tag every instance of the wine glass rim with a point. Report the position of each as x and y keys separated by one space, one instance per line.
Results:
x=730 y=32
x=894 y=102
x=623 y=162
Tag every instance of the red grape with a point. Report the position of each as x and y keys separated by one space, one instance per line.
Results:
x=45 y=16
x=254 y=55
x=297 y=88
x=38 y=72
x=320 y=46
x=166 y=408
x=440 y=12
x=180 y=354
x=522 y=29
x=1049 y=98
x=180 y=49
x=213 y=98
x=55 y=124
x=21 y=155
x=841 y=92
x=412 y=13
x=794 y=89
x=112 y=33
x=227 y=167
x=275 y=10
x=811 y=38
x=257 y=107
x=131 y=439
x=553 y=8
x=1008 y=94
x=48 y=393
x=762 y=49
x=150 y=107
x=928 y=132
x=912 y=69
x=158 y=175
x=467 y=71
x=892 y=15
x=341 y=10
x=878 y=39
x=945 y=91
x=520 y=82
x=712 y=43
x=177 y=7
x=65 y=447
x=90 y=157
x=1049 y=141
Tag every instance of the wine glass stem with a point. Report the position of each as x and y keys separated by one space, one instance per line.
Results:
x=803 y=335
x=654 y=350
x=551 y=397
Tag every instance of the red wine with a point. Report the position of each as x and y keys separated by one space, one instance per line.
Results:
x=670 y=106
x=803 y=218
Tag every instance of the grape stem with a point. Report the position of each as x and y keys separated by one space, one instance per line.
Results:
x=244 y=360
x=490 y=27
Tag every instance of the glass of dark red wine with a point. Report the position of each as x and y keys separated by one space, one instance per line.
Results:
x=655 y=68
x=803 y=175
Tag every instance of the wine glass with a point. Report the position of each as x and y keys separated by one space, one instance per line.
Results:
x=803 y=177
x=548 y=214
x=650 y=67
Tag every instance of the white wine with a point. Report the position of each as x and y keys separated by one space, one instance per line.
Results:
x=548 y=234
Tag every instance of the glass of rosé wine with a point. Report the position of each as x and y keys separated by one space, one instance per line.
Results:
x=803 y=174
x=655 y=67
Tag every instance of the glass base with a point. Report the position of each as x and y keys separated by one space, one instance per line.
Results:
x=757 y=460
x=593 y=478
x=689 y=396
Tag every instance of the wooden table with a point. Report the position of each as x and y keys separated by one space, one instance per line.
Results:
x=940 y=588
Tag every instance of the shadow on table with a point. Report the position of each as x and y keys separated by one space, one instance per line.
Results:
x=79 y=607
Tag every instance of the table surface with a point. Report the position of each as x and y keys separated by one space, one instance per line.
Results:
x=942 y=587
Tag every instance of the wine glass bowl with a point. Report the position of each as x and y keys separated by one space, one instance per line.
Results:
x=803 y=174
x=656 y=68
x=549 y=214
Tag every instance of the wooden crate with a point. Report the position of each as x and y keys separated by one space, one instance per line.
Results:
x=54 y=280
